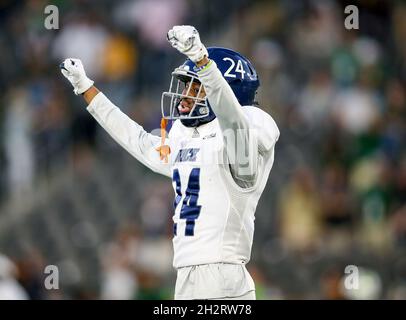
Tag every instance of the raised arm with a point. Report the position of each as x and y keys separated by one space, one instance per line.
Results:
x=129 y=134
x=242 y=137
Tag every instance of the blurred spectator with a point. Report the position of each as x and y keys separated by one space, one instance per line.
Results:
x=10 y=289
x=118 y=259
x=161 y=16
x=355 y=110
x=337 y=209
x=83 y=38
x=317 y=33
x=330 y=284
x=151 y=286
x=31 y=268
x=300 y=220
x=119 y=58
x=315 y=100
x=18 y=143
x=398 y=226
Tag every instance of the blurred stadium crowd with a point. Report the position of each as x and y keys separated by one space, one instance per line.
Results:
x=71 y=197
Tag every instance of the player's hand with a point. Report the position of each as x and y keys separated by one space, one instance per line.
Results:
x=73 y=70
x=186 y=39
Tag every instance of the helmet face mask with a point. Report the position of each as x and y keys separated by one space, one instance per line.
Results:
x=172 y=98
x=236 y=70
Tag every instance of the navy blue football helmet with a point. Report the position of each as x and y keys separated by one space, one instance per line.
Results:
x=235 y=68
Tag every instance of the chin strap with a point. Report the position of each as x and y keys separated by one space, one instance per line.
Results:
x=164 y=150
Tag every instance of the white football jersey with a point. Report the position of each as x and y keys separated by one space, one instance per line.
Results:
x=213 y=215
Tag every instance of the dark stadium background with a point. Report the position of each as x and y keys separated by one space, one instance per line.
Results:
x=71 y=197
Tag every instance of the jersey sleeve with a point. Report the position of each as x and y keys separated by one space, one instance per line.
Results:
x=129 y=134
x=243 y=139
x=222 y=99
x=266 y=127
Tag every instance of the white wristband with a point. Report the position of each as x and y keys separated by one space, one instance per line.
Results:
x=83 y=86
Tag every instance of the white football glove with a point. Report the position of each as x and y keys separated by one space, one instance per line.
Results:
x=186 y=39
x=73 y=70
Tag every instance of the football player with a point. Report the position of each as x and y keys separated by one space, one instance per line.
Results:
x=219 y=153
